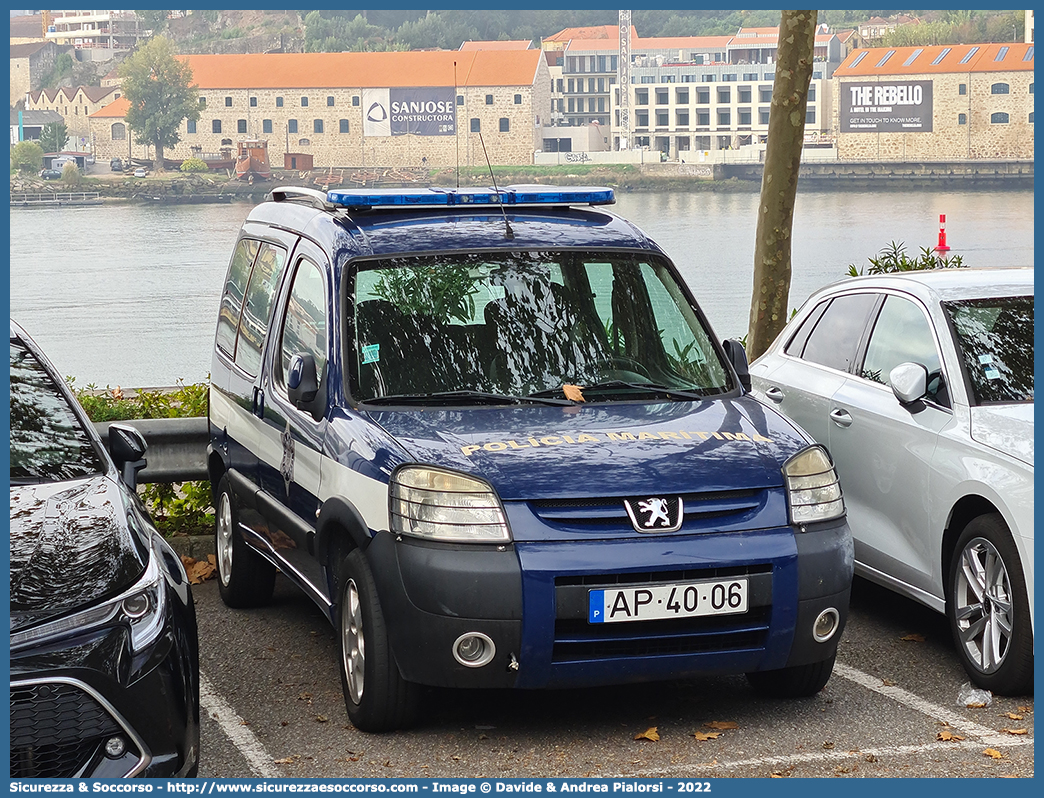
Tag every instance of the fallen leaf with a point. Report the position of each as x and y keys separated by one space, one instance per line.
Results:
x=828 y=745
x=200 y=571
x=212 y=559
x=913 y=638
x=573 y=392
x=993 y=753
x=888 y=683
x=117 y=393
x=1025 y=709
x=704 y=736
x=722 y=724
x=946 y=735
x=870 y=758
x=321 y=719
x=1013 y=715
x=978 y=705
x=288 y=760
x=1015 y=731
x=649 y=734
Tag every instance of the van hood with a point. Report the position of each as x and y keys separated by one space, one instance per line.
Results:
x=609 y=449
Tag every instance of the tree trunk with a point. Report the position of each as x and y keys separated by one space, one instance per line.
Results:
x=786 y=134
x=157 y=165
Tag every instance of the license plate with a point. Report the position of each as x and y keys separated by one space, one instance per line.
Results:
x=655 y=602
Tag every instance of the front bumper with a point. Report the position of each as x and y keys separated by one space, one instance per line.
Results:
x=530 y=599
x=70 y=696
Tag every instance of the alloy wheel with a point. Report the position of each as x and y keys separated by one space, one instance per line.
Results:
x=224 y=539
x=353 y=643
x=983 y=608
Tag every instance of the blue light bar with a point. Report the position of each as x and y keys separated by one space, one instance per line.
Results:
x=509 y=195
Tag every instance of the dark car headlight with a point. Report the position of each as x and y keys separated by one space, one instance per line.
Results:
x=141 y=608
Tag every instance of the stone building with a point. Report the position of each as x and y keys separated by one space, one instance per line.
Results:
x=392 y=109
x=961 y=101
x=75 y=106
x=29 y=63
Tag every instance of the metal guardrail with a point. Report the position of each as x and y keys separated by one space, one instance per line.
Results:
x=57 y=198
x=177 y=447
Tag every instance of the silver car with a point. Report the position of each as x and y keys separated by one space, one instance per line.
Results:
x=921 y=386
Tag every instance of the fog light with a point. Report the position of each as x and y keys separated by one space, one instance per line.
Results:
x=115 y=747
x=826 y=624
x=473 y=650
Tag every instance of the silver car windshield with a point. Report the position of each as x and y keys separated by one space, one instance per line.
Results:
x=512 y=325
x=995 y=341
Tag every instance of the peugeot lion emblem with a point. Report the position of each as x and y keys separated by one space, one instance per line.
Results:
x=655 y=514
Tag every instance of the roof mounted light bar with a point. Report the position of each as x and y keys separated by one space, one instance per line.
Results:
x=508 y=195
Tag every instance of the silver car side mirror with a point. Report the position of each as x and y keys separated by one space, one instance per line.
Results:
x=909 y=382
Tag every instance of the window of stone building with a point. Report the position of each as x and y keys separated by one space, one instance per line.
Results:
x=279 y=102
x=191 y=126
x=811 y=93
x=291 y=125
x=226 y=142
x=329 y=100
x=999 y=118
x=962 y=119
x=750 y=75
x=662 y=118
x=663 y=96
x=701 y=142
x=724 y=94
x=202 y=102
x=505 y=124
x=1031 y=117
x=304 y=142
x=460 y=99
x=355 y=101
x=559 y=82
x=724 y=118
x=317 y=125
x=743 y=94
x=763 y=116
x=304 y=102
x=1000 y=88
x=572 y=85
x=119 y=131
x=266 y=125
x=1031 y=88
x=641 y=118
x=703 y=119
x=215 y=126
x=743 y=114
x=241 y=126
x=962 y=88
x=708 y=78
x=253 y=102
x=681 y=96
x=343 y=126
x=764 y=94
x=489 y=99
x=476 y=125
x=601 y=107
x=228 y=102
x=681 y=117
x=810 y=116
x=641 y=96
x=518 y=99
x=702 y=96
x=572 y=105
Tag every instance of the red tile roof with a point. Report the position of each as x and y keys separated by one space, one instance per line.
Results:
x=593 y=32
x=522 y=44
x=938 y=59
x=117 y=109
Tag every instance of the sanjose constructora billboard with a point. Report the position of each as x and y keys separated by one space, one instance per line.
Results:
x=896 y=107
x=422 y=112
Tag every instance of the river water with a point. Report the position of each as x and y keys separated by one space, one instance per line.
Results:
x=128 y=294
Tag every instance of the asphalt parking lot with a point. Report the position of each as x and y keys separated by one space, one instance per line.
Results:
x=272 y=707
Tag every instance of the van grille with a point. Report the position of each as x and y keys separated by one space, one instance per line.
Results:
x=609 y=512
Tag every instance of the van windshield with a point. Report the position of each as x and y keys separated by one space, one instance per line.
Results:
x=514 y=325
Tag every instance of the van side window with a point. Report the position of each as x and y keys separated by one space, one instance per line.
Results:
x=232 y=298
x=304 y=327
x=253 y=325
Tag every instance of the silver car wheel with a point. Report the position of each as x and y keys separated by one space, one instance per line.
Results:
x=353 y=643
x=223 y=540
x=982 y=605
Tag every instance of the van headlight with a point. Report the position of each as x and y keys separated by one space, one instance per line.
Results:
x=446 y=506
x=813 y=490
x=142 y=608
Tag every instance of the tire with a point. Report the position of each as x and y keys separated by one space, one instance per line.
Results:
x=799 y=681
x=376 y=696
x=245 y=578
x=994 y=637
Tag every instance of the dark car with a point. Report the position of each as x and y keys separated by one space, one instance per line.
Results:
x=104 y=656
x=50 y=174
x=491 y=435
x=116 y=165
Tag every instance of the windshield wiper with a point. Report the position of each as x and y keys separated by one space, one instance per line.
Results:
x=474 y=397
x=641 y=387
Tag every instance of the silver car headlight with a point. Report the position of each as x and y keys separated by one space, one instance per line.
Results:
x=813 y=490
x=446 y=506
x=142 y=608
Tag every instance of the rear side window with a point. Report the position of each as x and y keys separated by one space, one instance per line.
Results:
x=232 y=298
x=834 y=340
x=253 y=324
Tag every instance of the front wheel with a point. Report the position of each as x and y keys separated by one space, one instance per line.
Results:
x=376 y=696
x=245 y=578
x=799 y=681
x=988 y=608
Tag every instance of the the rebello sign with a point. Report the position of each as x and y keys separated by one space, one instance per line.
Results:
x=422 y=112
x=896 y=107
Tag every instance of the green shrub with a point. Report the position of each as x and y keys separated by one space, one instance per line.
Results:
x=71 y=175
x=185 y=507
x=893 y=258
x=194 y=165
x=27 y=157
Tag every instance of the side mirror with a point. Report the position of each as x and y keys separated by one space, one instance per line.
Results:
x=302 y=384
x=737 y=356
x=909 y=382
x=127 y=447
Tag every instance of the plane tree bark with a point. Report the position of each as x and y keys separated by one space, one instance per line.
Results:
x=786 y=135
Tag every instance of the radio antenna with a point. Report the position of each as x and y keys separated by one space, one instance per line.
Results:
x=508 y=232
x=456 y=122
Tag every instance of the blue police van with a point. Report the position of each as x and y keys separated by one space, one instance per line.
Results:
x=490 y=433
